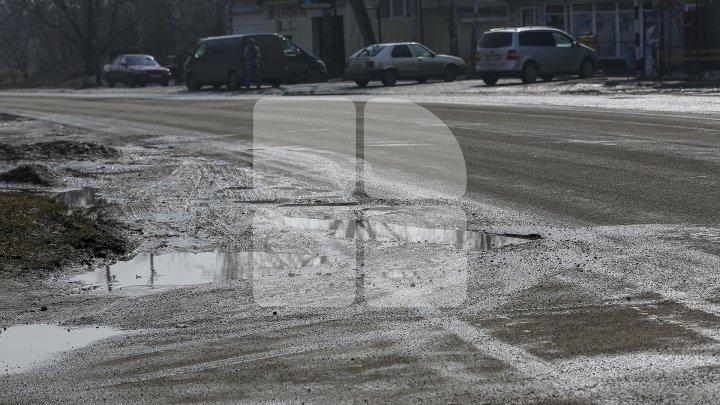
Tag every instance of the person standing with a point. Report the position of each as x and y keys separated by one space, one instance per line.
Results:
x=252 y=63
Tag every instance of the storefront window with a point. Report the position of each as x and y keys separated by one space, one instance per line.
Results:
x=582 y=21
x=555 y=16
x=626 y=26
x=605 y=26
x=396 y=8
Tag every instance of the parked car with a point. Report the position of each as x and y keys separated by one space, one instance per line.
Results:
x=303 y=67
x=532 y=52
x=135 y=70
x=219 y=61
x=401 y=61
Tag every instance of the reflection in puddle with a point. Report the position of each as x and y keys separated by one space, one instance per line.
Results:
x=182 y=269
x=84 y=198
x=384 y=232
x=22 y=347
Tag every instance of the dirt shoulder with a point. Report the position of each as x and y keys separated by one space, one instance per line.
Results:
x=39 y=235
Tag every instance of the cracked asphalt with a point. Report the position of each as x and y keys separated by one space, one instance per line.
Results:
x=366 y=296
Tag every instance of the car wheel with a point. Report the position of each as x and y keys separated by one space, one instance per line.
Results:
x=547 y=78
x=110 y=81
x=142 y=83
x=450 y=73
x=130 y=81
x=362 y=83
x=529 y=73
x=422 y=80
x=490 y=80
x=191 y=82
x=165 y=82
x=389 y=78
x=587 y=68
x=275 y=83
x=233 y=81
x=312 y=75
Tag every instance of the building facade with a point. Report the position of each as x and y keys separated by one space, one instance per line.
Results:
x=674 y=34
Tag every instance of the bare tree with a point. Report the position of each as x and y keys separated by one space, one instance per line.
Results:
x=16 y=38
x=363 y=21
x=88 y=25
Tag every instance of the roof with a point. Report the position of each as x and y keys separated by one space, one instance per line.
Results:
x=393 y=44
x=519 y=29
x=258 y=34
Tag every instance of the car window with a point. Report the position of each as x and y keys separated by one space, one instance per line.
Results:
x=141 y=61
x=420 y=51
x=290 y=49
x=370 y=51
x=496 y=40
x=200 y=51
x=562 y=41
x=536 y=38
x=401 y=51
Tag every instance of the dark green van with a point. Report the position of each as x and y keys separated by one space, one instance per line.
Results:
x=218 y=61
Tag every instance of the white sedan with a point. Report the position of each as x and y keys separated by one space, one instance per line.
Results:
x=401 y=61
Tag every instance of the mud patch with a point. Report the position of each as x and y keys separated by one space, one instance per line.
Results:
x=39 y=234
x=66 y=150
x=593 y=330
x=26 y=346
x=30 y=174
x=4 y=117
x=184 y=269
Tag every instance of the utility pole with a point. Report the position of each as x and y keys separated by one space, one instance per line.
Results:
x=378 y=16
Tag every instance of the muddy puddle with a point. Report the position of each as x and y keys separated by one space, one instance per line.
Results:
x=185 y=269
x=386 y=232
x=84 y=198
x=26 y=346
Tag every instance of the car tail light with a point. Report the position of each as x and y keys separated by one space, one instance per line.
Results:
x=369 y=64
x=512 y=54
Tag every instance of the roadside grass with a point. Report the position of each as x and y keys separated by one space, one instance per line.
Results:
x=39 y=235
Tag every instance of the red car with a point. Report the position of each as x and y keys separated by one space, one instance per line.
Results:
x=135 y=70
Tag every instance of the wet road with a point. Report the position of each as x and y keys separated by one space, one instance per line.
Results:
x=617 y=302
x=589 y=167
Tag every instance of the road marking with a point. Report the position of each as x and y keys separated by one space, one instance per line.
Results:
x=529 y=365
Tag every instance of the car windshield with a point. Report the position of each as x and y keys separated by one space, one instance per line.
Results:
x=370 y=51
x=141 y=61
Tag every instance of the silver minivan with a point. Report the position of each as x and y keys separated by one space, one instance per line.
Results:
x=531 y=52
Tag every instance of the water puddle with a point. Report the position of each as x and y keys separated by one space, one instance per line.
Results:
x=184 y=269
x=23 y=347
x=385 y=232
x=84 y=198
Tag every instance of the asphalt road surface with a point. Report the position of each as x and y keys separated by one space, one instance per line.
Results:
x=618 y=301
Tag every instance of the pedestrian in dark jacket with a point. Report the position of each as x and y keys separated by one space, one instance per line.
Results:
x=252 y=57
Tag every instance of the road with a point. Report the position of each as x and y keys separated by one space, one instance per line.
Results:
x=617 y=302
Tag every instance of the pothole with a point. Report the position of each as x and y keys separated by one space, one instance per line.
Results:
x=388 y=232
x=26 y=346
